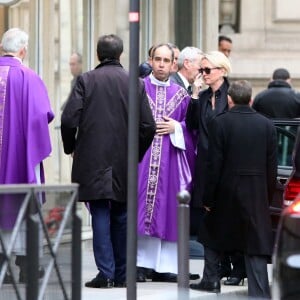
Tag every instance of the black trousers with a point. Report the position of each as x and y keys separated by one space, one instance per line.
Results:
x=257 y=273
x=256 y=269
x=212 y=260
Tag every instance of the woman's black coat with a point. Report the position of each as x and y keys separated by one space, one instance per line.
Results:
x=197 y=118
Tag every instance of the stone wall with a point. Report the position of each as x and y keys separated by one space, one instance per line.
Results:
x=267 y=38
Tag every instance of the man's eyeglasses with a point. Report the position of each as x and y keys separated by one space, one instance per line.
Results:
x=206 y=70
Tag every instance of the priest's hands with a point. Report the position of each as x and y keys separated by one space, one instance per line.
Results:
x=165 y=127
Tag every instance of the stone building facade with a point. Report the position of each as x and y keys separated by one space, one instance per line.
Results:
x=265 y=36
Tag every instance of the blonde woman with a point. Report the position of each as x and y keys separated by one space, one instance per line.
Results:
x=205 y=105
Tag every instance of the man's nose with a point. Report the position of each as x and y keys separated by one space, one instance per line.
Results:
x=161 y=63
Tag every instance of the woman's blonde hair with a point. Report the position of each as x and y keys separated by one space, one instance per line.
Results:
x=219 y=60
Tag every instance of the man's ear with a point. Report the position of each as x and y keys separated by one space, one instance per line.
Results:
x=186 y=63
x=22 y=53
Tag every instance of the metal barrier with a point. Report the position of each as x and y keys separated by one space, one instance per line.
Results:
x=62 y=233
x=183 y=198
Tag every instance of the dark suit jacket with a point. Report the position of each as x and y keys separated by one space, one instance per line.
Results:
x=241 y=179
x=94 y=126
x=176 y=78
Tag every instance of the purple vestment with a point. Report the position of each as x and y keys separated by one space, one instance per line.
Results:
x=165 y=169
x=24 y=134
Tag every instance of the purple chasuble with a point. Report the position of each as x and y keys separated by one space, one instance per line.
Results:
x=161 y=170
x=24 y=134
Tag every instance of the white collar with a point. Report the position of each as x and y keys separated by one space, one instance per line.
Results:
x=186 y=83
x=18 y=58
x=158 y=82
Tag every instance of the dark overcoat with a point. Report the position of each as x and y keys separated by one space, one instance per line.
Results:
x=197 y=118
x=241 y=179
x=278 y=101
x=94 y=127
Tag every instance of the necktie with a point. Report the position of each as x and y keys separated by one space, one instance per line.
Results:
x=189 y=90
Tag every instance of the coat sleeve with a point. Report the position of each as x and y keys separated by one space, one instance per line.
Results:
x=147 y=125
x=193 y=115
x=214 y=162
x=71 y=116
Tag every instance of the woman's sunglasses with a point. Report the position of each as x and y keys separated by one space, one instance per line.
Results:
x=207 y=70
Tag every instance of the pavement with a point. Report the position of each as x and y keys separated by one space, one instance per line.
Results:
x=154 y=290
x=144 y=290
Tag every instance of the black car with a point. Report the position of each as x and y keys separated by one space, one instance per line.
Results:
x=286 y=258
x=287 y=184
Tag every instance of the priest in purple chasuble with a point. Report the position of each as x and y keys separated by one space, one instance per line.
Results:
x=24 y=134
x=165 y=169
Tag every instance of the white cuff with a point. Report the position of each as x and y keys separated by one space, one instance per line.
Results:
x=177 y=138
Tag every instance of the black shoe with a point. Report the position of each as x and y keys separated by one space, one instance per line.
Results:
x=100 y=282
x=194 y=276
x=213 y=287
x=23 y=275
x=164 y=277
x=234 y=281
x=141 y=274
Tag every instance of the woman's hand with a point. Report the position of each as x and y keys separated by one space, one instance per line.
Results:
x=197 y=85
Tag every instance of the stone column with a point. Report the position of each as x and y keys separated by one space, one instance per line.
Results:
x=210 y=24
x=63 y=78
x=48 y=68
x=163 y=21
x=105 y=21
x=3 y=19
x=122 y=30
x=76 y=22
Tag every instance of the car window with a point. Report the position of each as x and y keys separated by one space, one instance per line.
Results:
x=286 y=136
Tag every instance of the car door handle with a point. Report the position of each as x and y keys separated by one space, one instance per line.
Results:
x=282 y=180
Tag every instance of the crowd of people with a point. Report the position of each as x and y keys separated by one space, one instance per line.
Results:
x=196 y=132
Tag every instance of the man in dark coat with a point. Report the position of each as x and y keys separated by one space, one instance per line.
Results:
x=279 y=100
x=94 y=127
x=242 y=168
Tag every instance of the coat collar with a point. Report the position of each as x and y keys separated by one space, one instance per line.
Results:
x=240 y=108
x=109 y=62
x=279 y=83
x=222 y=90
